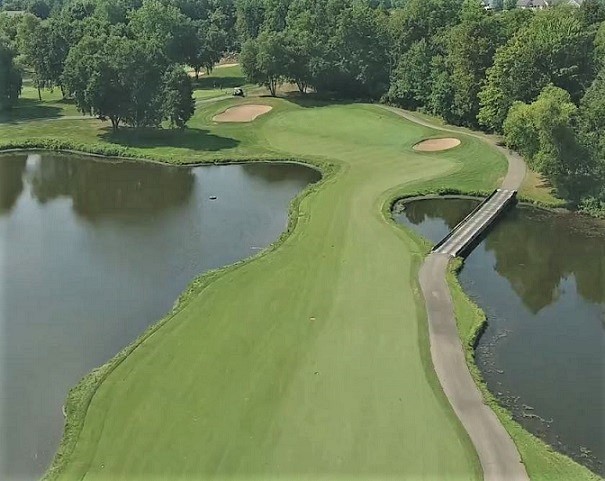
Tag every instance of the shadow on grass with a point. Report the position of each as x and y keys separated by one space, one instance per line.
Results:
x=211 y=82
x=313 y=100
x=188 y=138
x=29 y=109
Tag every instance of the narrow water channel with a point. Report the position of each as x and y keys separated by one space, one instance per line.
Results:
x=93 y=252
x=540 y=278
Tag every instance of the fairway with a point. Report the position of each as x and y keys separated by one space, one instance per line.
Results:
x=311 y=361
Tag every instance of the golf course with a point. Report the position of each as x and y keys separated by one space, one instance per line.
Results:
x=310 y=360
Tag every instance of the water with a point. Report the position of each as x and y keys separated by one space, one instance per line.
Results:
x=540 y=278
x=93 y=252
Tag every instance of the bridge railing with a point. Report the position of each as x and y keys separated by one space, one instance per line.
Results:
x=463 y=221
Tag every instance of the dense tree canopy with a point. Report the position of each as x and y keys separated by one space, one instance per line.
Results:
x=123 y=80
x=592 y=118
x=543 y=132
x=264 y=59
x=10 y=76
x=553 y=48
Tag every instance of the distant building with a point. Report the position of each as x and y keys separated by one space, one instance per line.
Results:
x=534 y=4
x=490 y=4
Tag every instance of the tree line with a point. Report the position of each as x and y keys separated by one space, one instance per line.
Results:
x=502 y=70
x=534 y=76
x=121 y=60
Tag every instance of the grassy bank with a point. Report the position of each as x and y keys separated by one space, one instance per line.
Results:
x=310 y=361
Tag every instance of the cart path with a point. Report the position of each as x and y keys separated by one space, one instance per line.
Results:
x=497 y=452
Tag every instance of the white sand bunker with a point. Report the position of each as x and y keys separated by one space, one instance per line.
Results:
x=435 y=145
x=243 y=113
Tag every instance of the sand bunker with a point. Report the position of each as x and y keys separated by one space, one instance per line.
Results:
x=435 y=145
x=243 y=113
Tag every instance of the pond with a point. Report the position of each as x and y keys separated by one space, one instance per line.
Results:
x=540 y=278
x=92 y=252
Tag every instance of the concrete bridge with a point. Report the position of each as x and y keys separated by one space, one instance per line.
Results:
x=464 y=235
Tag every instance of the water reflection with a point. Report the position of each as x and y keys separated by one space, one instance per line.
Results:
x=540 y=278
x=11 y=183
x=446 y=213
x=104 y=188
x=93 y=252
x=537 y=250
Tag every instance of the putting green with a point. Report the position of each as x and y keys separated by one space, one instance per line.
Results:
x=311 y=361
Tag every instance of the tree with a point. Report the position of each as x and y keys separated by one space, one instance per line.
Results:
x=592 y=120
x=32 y=46
x=421 y=19
x=544 y=133
x=250 y=19
x=206 y=48
x=39 y=8
x=178 y=104
x=592 y=12
x=164 y=28
x=10 y=77
x=599 y=46
x=553 y=48
x=470 y=48
x=510 y=4
x=361 y=44
x=264 y=59
x=55 y=52
x=275 y=13
x=116 y=78
x=299 y=48
x=310 y=28
x=411 y=80
x=44 y=48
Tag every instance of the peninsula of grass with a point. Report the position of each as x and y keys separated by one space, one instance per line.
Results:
x=310 y=361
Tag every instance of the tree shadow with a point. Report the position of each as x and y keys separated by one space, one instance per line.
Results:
x=315 y=100
x=188 y=138
x=30 y=109
x=211 y=82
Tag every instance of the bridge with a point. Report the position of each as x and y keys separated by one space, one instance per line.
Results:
x=464 y=235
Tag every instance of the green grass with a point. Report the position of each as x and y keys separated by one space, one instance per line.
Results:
x=310 y=361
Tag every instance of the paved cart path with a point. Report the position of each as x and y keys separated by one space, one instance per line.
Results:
x=498 y=454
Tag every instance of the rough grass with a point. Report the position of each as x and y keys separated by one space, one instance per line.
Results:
x=538 y=190
x=309 y=362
